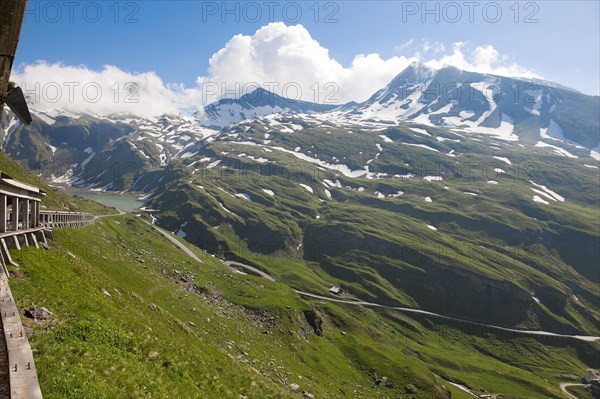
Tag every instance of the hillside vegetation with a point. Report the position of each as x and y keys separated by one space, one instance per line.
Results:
x=465 y=235
x=134 y=316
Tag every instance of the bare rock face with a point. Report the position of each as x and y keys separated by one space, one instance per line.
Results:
x=314 y=321
x=38 y=314
x=592 y=380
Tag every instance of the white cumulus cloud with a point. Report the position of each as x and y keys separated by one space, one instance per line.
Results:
x=79 y=89
x=288 y=61
x=482 y=59
x=284 y=59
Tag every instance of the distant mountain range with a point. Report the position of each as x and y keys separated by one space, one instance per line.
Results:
x=532 y=113
x=515 y=109
x=99 y=152
x=256 y=103
x=511 y=108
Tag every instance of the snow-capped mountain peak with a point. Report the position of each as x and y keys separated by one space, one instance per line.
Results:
x=259 y=102
x=508 y=108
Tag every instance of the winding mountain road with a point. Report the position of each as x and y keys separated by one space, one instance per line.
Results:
x=565 y=385
x=175 y=241
x=254 y=270
x=236 y=265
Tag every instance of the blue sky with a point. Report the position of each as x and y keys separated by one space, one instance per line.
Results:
x=558 y=40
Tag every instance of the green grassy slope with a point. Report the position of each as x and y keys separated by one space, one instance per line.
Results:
x=495 y=255
x=135 y=317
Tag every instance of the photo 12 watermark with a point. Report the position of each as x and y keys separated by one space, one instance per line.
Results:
x=453 y=12
x=54 y=12
x=266 y=92
x=89 y=92
x=474 y=93
x=289 y=12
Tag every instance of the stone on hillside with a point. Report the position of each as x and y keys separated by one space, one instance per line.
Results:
x=38 y=314
x=410 y=388
x=381 y=380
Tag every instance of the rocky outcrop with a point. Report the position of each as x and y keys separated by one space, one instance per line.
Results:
x=38 y=314
x=315 y=321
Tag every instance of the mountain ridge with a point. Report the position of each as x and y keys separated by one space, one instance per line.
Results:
x=512 y=108
x=65 y=147
x=258 y=102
